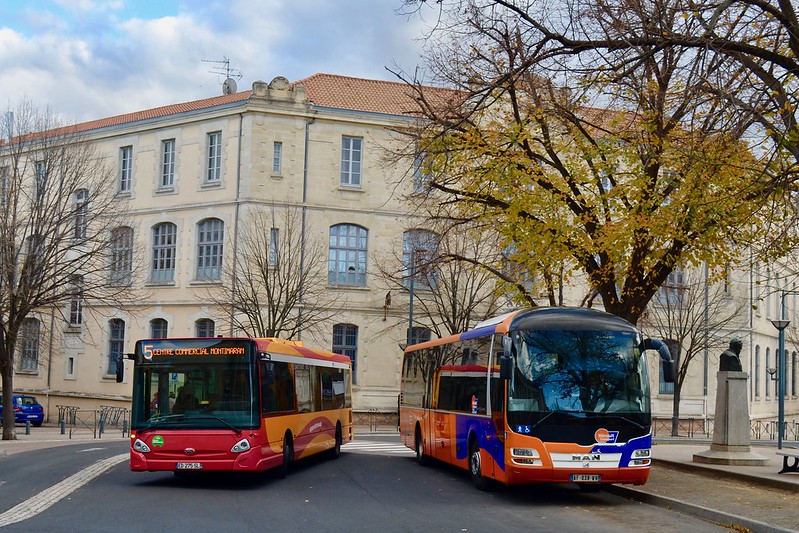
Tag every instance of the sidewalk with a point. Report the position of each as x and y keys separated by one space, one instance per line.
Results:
x=754 y=498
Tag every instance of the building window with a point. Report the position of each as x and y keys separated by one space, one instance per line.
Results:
x=164 y=252
x=69 y=371
x=345 y=342
x=210 y=236
x=214 y=172
x=351 y=156
x=768 y=374
x=274 y=250
x=167 y=164
x=756 y=373
x=671 y=292
x=421 y=174
x=4 y=185
x=121 y=255
x=81 y=212
x=347 y=255
x=28 y=345
x=419 y=334
x=419 y=251
x=277 y=157
x=116 y=343
x=125 y=168
x=158 y=327
x=41 y=179
x=204 y=328
x=76 y=302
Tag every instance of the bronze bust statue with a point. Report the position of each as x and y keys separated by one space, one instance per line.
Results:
x=729 y=359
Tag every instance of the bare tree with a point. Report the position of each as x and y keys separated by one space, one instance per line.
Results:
x=447 y=277
x=695 y=318
x=59 y=207
x=276 y=279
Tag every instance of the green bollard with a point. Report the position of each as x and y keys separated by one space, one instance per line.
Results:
x=27 y=427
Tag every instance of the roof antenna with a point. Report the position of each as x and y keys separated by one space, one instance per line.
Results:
x=223 y=68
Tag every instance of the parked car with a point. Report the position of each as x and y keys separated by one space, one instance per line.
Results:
x=26 y=409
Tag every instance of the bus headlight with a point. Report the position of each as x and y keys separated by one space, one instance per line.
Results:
x=641 y=457
x=525 y=456
x=242 y=446
x=140 y=446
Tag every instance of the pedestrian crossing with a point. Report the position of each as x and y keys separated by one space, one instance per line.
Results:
x=372 y=447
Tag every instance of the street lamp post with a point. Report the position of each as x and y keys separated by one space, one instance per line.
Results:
x=781 y=325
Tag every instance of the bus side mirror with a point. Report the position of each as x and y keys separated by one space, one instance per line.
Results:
x=665 y=357
x=120 y=368
x=505 y=367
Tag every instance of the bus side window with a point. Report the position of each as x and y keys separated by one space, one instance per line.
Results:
x=277 y=388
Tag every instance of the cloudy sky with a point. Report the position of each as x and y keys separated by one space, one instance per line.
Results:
x=89 y=59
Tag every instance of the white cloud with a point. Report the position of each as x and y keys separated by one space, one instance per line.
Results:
x=101 y=60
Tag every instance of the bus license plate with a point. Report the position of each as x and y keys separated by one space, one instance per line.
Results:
x=189 y=466
x=586 y=478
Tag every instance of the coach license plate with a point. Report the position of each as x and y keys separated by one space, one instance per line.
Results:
x=189 y=466
x=586 y=478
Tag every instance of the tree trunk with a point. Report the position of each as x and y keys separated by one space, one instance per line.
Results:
x=675 y=412
x=7 y=370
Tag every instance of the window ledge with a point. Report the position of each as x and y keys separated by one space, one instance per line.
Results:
x=206 y=282
x=166 y=190
x=152 y=283
x=211 y=185
x=348 y=287
x=277 y=177
x=348 y=188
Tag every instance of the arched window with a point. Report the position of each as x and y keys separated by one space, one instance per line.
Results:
x=116 y=343
x=756 y=373
x=345 y=342
x=164 y=252
x=121 y=255
x=158 y=328
x=419 y=252
x=204 y=327
x=210 y=237
x=347 y=255
x=28 y=345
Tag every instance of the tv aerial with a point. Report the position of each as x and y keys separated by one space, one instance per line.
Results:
x=223 y=68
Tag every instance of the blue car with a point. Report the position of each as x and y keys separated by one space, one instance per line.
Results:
x=26 y=409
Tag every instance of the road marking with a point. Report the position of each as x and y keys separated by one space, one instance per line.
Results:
x=48 y=497
x=377 y=448
x=90 y=450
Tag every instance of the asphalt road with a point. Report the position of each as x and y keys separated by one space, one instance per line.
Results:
x=376 y=486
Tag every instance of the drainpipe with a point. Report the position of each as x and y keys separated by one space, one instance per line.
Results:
x=303 y=224
x=233 y=276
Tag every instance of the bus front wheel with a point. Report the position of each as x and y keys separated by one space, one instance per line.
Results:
x=476 y=467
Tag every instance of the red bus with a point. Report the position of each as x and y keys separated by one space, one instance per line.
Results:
x=235 y=404
x=542 y=395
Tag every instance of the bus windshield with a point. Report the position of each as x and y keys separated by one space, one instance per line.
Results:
x=583 y=373
x=196 y=392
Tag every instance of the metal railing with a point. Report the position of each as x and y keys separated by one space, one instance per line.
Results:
x=762 y=430
x=77 y=421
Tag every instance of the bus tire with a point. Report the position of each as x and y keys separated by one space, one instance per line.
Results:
x=288 y=456
x=418 y=445
x=476 y=467
x=335 y=451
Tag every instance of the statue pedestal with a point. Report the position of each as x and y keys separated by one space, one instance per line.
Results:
x=731 y=426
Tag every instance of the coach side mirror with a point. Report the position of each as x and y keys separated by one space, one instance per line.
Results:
x=505 y=366
x=120 y=362
x=665 y=357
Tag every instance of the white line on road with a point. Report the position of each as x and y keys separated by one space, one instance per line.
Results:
x=48 y=497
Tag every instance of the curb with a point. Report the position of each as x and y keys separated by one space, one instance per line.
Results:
x=725 y=519
x=719 y=473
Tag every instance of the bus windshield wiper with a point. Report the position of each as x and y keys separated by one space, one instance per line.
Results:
x=222 y=420
x=156 y=420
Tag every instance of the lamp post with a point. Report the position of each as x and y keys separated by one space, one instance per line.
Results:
x=781 y=325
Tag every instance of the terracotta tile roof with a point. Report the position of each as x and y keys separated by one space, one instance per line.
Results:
x=359 y=94
x=324 y=90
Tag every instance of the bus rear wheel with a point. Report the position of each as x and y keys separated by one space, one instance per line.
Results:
x=335 y=451
x=421 y=458
x=288 y=456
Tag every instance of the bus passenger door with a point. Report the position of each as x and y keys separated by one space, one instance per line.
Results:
x=443 y=436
